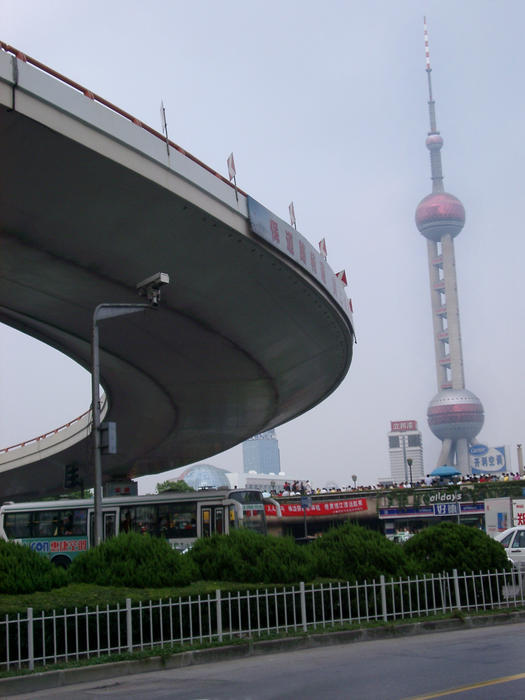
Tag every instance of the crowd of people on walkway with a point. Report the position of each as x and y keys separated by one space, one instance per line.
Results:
x=300 y=488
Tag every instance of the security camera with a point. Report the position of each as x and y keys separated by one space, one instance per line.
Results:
x=151 y=286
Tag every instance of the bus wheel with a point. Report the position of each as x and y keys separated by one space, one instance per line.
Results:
x=62 y=562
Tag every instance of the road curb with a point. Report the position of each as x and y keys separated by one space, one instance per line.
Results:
x=55 y=679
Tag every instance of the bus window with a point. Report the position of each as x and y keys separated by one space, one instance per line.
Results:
x=18 y=525
x=47 y=523
x=141 y=518
x=125 y=520
x=177 y=519
x=110 y=520
x=254 y=518
x=79 y=522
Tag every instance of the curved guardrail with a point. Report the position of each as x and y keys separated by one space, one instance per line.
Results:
x=51 y=442
x=97 y=98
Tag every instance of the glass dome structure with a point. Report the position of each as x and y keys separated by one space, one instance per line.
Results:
x=200 y=476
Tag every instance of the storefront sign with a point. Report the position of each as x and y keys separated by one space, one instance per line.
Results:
x=442 y=497
x=431 y=511
x=446 y=508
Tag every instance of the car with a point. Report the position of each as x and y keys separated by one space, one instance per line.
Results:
x=400 y=537
x=513 y=539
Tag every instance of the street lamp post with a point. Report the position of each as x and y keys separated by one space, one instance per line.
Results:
x=404 y=456
x=409 y=462
x=151 y=289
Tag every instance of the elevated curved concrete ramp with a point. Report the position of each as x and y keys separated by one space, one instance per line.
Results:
x=246 y=337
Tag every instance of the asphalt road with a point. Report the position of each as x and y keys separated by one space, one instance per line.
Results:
x=474 y=663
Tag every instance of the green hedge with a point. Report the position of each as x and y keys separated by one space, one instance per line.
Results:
x=133 y=560
x=349 y=552
x=248 y=557
x=356 y=553
x=449 y=546
x=24 y=571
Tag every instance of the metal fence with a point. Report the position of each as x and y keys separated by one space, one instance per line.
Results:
x=39 y=639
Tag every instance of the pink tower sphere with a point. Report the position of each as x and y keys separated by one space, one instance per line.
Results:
x=440 y=213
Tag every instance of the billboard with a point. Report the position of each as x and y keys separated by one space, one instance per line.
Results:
x=489 y=460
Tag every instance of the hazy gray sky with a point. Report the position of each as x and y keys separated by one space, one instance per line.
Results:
x=324 y=104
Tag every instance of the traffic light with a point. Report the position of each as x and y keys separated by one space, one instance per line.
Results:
x=71 y=479
x=108 y=438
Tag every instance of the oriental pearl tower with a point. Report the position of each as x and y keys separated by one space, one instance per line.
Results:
x=455 y=414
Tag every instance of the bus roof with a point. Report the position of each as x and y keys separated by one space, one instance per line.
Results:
x=165 y=496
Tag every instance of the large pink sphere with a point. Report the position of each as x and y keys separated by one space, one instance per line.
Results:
x=455 y=413
x=440 y=213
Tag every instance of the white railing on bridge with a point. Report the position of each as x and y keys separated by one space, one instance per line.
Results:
x=39 y=639
x=50 y=443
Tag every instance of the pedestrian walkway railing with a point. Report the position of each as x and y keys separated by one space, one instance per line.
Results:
x=43 y=638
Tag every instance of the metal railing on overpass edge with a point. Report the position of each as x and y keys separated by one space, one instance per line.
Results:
x=51 y=433
x=101 y=100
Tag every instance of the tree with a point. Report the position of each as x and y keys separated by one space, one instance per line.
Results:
x=180 y=486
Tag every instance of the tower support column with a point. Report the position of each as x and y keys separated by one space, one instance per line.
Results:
x=462 y=455
x=454 y=331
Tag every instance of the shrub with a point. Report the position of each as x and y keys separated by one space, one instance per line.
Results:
x=133 y=560
x=352 y=552
x=24 y=571
x=449 y=546
x=248 y=557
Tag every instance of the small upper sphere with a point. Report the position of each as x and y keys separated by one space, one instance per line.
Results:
x=440 y=213
x=434 y=141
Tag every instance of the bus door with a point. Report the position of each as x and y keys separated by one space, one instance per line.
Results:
x=212 y=520
x=109 y=525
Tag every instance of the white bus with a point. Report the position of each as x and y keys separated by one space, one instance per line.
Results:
x=61 y=529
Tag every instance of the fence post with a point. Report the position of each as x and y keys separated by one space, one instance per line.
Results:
x=383 y=597
x=30 y=641
x=129 y=629
x=219 y=615
x=456 y=588
x=302 y=593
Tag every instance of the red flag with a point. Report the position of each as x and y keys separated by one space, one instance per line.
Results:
x=342 y=276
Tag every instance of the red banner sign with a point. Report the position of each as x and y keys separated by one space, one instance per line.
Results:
x=349 y=505
x=401 y=426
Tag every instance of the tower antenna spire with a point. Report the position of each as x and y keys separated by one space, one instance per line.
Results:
x=434 y=140
x=431 y=103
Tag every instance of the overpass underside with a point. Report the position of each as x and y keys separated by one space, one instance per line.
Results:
x=90 y=204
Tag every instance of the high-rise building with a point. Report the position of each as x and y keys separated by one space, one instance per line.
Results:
x=405 y=450
x=455 y=414
x=260 y=453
